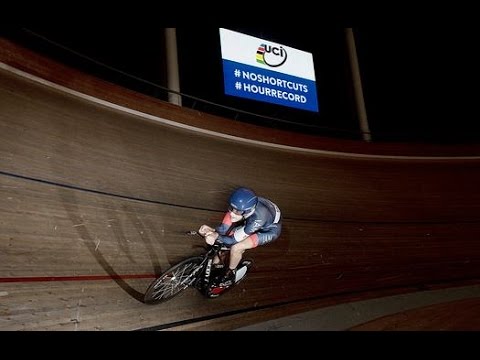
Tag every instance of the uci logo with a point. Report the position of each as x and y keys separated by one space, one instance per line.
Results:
x=271 y=55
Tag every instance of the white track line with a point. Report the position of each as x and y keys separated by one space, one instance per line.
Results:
x=218 y=134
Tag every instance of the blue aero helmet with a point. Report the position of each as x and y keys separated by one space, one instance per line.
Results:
x=242 y=200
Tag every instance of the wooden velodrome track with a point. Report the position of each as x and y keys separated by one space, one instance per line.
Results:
x=97 y=192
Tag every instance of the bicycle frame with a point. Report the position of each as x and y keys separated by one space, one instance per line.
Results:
x=206 y=267
x=194 y=271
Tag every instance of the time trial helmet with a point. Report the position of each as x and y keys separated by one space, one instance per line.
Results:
x=242 y=200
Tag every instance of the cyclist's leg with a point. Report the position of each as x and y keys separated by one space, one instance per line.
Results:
x=254 y=240
x=237 y=250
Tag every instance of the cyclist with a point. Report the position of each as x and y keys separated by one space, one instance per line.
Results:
x=250 y=221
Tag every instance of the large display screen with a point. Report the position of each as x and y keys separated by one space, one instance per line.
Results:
x=262 y=70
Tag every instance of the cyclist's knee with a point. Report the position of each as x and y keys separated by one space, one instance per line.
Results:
x=237 y=248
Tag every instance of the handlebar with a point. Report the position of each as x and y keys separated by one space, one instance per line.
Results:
x=216 y=245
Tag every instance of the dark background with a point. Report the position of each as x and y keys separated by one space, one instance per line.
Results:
x=420 y=84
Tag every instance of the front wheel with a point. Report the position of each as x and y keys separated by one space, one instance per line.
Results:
x=173 y=281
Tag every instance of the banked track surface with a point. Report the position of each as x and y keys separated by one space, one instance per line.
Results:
x=96 y=201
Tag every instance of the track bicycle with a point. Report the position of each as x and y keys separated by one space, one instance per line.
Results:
x=196 y=271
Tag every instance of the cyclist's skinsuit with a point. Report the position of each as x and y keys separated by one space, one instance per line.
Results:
x=262 y=227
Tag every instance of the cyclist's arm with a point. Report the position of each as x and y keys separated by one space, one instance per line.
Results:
x=251 y=226
x=240 y=234
x=226 y=225
x=227 y=240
